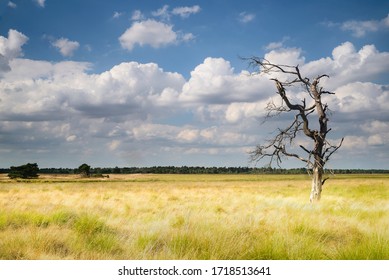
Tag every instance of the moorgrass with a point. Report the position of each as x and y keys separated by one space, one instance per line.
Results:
x=195 y=217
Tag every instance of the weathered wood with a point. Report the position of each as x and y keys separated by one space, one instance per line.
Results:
x=276 y=148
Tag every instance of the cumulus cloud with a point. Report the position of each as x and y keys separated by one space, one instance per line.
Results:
x=136 y=107
x=150 y=32
x=66 y=47
x=88 y=107
x=377 y=132
x=156 y=33
x=237 y=112
x=128 y=88
x=375 y=126
x=214 y=81
x=355 y=143
x=361 y=97
x=10 y=48
x=285 y=56
x=26 y=69
x=350 y=65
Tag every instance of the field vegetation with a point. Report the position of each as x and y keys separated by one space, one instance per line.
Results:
x=194 y=217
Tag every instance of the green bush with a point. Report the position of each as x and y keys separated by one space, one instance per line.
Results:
x=27 y=171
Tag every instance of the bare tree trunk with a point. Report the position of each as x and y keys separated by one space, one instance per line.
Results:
x=317 y=184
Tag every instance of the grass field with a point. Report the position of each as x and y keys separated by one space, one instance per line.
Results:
x=194 y=217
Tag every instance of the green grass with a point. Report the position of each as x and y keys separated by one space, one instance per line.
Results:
x=195 y=217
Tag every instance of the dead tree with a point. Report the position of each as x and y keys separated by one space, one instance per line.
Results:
x=310 y=107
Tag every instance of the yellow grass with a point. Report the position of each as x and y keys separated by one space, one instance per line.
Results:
x=194 y=217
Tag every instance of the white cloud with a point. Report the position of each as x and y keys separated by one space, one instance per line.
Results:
x=361 y=98
x=71 y=138
x=10 y=48
x=245 y=17
x=151 y=132
x=361 y=28
x=12 y=5
x=237 y=112
x=87 y=107
x=23 y=69
x=163 y=13
x=188 y=135
x=40 y=3
x=285 y=56
x=214 y=82
x=276 y=45
x=150 y=32
x=137 y=110
x=114 y=145
x=376 y=140
x=65 y=46
x=375 y=126
x=187 y=37
x=185 y=12
x=349 y=65
x=126 y=89
x=354 y=143
x=117 y=14
x=137 y=15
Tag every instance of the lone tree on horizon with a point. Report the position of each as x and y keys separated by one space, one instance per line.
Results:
x=84 y=170
x=310 y=108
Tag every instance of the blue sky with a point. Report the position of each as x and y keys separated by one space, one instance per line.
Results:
x=124 y=83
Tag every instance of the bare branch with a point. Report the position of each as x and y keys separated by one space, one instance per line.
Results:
x=283 y=150
x=305 y=149
x=322 y=182
x=268 y=67
x=274 y=110
x=317 y=79
x=326 y=92
x=330 y=150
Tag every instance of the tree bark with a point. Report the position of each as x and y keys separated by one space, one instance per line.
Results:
x=317 y=184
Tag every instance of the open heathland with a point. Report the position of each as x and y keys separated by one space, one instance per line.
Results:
x=194 y=217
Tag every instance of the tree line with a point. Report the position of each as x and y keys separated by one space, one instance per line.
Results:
x=31 y=170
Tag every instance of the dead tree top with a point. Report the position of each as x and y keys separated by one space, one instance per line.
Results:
x=276 y=148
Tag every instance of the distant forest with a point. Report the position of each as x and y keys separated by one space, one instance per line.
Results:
x=198 y=170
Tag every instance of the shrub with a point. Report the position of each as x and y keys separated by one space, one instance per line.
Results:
x=27 y=171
